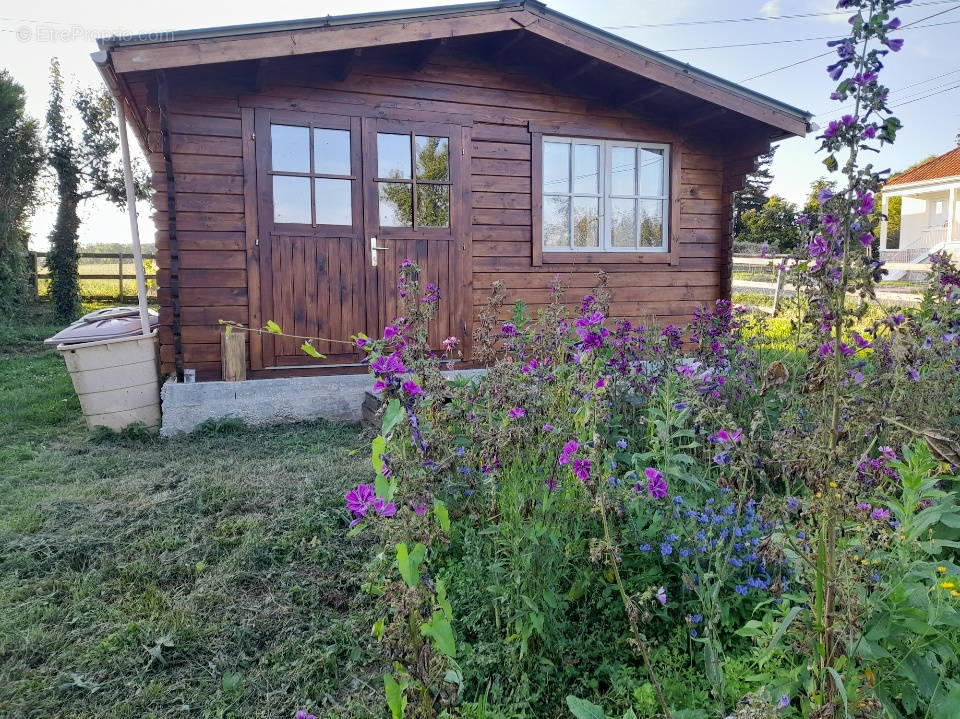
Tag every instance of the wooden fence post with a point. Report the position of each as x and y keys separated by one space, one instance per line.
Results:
x=233 y=356
x=779 y=287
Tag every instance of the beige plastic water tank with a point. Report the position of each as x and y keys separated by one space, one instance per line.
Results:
x=117 y=380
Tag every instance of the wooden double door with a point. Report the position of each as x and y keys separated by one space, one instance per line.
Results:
x=341 y=202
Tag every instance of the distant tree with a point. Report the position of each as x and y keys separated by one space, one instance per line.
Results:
x=21 y=160
x=86 y=166
x=753 y=196
x=813 y=209
x=774 y=224
x=433 y=201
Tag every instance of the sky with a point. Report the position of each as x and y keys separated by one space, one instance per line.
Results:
x=764 y=34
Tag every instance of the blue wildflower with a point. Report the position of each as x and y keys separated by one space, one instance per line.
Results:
x=666 y=549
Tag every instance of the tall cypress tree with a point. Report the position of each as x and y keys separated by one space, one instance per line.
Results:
x=753 y=196
x=86 y=167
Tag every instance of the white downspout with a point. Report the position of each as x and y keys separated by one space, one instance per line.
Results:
x=884 y=201
x=132 y=212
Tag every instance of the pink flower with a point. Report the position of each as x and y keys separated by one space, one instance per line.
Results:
x=517 y=412
x=569 y=449
x=420 y=509
x=450 y=343
x=656 y=486
x=361 y=499
x=390 y=331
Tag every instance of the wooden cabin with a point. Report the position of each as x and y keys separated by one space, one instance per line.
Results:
x=297 y=163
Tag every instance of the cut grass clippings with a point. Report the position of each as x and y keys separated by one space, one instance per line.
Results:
x=202 y=576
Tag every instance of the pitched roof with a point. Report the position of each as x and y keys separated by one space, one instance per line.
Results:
x=265 y=40
x=945 y=165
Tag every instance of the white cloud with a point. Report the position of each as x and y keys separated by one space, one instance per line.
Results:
x=770 y=8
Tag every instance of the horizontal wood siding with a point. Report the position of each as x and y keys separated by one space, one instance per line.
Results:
x=205 y=110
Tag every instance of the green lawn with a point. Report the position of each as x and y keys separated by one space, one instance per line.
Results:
x=203 y=576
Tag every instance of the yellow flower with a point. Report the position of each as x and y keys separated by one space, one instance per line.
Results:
x=818 y=495
x=833 y=485
x=954 y=593
x=856 y=557
x=947 y=585
x=864 y=562
x=941 y=570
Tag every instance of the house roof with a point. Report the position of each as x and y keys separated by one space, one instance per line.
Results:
x=945 y=165
x=158 y=51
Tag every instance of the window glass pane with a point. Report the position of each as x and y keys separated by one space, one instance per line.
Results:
x=333 y=201
x=393 y=156
x=556 y=167
x=556 y=222
x=623 y=171
x=331 y=152
x=586 y=163
x=290 y=148
x=433 y=205
x=623 y=222
x=291 y=199
x=586 y=222
x=433 y=158
x=396 y=204
x=651 y=172
x=651 y=223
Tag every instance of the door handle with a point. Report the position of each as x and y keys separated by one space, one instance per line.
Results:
x=373 y=251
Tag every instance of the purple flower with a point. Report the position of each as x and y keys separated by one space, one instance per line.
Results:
x=517 y=412
x=622 y=443
x=420 y=509
x=361 y=499
x=895 y=44
x=879 y=513
x=913 y=374
x=888 y=452
x=824 y=195
x=869 y=132
x=412 y=388
x=601 y=382
x=864 y=506
x=725 y=437
x=390 y=331
x=784 y=702
x=818 y=246
x=548 y=427
x=662 y=596
x=302 y=714
x=866 y=203
x=388 y=364
x=581 y=469
x=508 y=329
x=551 y=484
x=656 y=486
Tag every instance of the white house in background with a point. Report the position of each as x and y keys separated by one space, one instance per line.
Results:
x=929 y=216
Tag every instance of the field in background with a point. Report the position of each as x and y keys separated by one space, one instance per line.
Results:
x=101 y=275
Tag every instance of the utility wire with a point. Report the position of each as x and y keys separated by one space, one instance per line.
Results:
x=831 y=52
x=788 y=40
x=724 y=21
x=905 y=98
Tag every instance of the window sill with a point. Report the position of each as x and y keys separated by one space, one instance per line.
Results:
x=573 y=258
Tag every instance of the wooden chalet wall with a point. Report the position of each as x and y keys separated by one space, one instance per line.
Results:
x=205 y=110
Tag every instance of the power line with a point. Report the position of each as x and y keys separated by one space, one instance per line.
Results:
x=788 y=40
x=918 y=99
x=908 y=97
x=831 y=52
x=724 y=21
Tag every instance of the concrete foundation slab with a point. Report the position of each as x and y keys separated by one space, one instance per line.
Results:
x=268 y=401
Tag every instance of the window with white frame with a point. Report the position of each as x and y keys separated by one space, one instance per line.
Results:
x=604 y=195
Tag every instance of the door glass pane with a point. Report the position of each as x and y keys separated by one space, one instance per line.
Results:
x=623 y=171
x=651 y=172
x=651 y=223
x=393 y=156
x=433 y=205
x=396 y=204
x=290 y=148
x=586 y=222
x=333 y=201
x=556 y=221
x=291 y=199
x=556 y=167
x=623 y=222
x=331 y=152
x=586 y=163
x=433 y=158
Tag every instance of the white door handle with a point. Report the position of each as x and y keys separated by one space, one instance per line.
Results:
x=373 y=251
